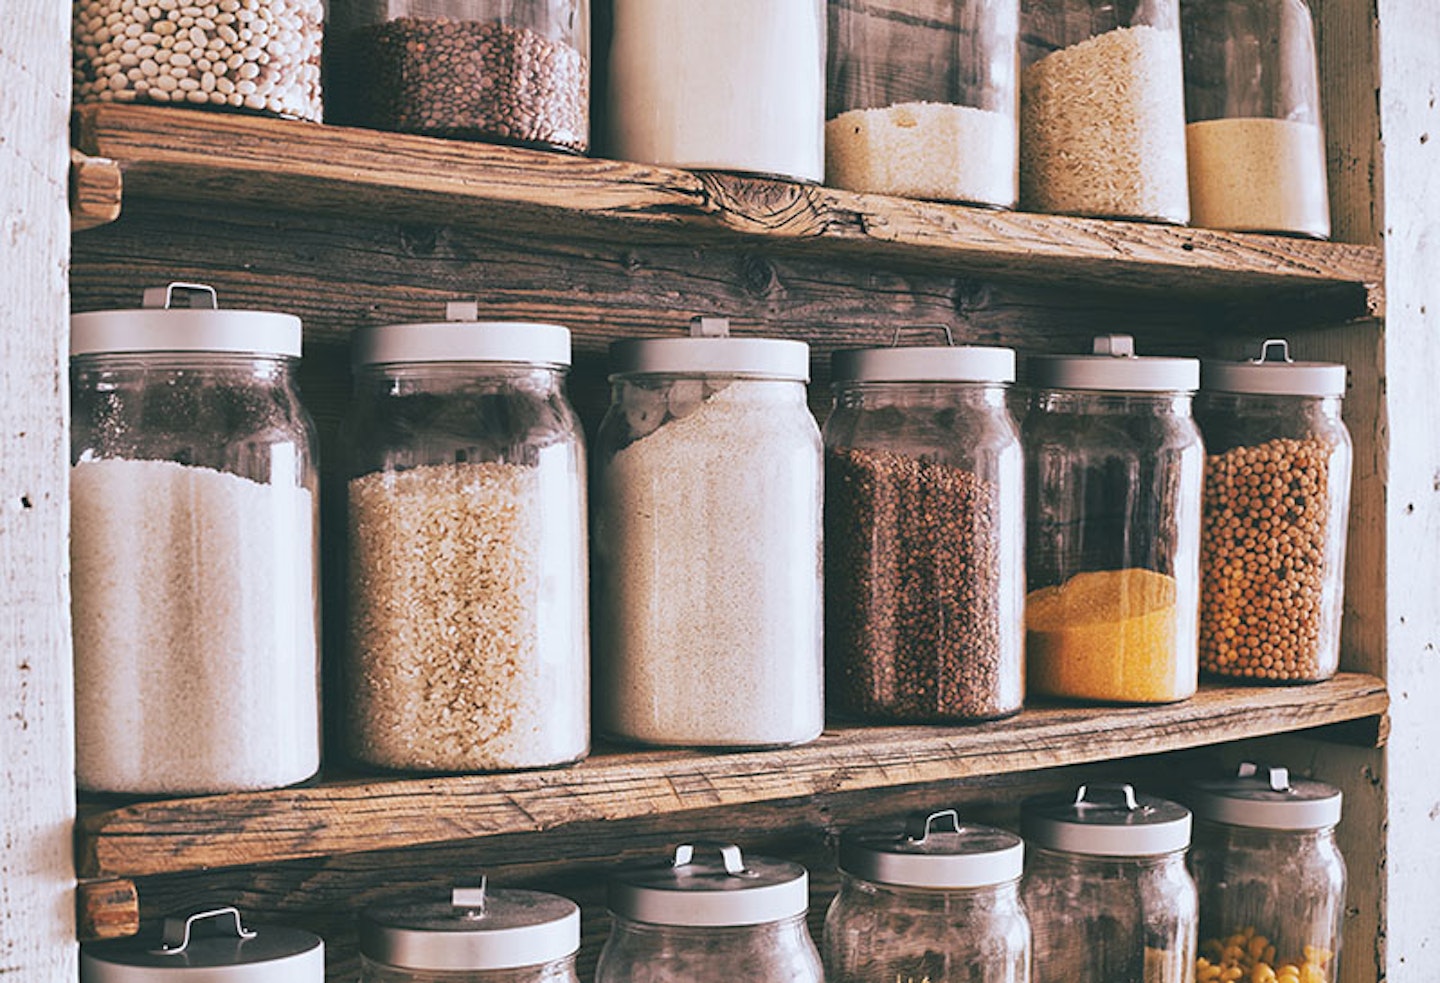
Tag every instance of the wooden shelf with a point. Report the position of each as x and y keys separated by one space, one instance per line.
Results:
x=353 y=815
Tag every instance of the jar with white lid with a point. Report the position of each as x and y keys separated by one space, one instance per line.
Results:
x=1270 y=875
x=724 y=85
x=193 y=549
x=468 y=638
x=482 y=935
x=708 y=544
x=925 y=535
x=205 y=946
x=1277 y=502
x=705 y=916
x=1114 y=480
x=1106 y=887
x=938 y=900
x=1252 y=109
x=922 y=100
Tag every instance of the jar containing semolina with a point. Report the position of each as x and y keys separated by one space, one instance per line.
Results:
x=1277 y=502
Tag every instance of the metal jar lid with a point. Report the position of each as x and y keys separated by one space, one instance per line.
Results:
x=208 y=946
x=461 y=338
x=710 y=885
x=710 y=350
x=1275 y=373
x=479 y=929
x=930 y=363
x=1107 y=820
x=934 y=850
x=1267 y=798
x=159 y=325
x=1114 y=367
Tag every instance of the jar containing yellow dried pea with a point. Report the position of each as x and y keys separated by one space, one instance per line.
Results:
x=1277 y=497
x=1270 y=876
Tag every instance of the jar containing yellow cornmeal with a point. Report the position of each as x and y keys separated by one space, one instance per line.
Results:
x=1277 y=496
x=1114 y=476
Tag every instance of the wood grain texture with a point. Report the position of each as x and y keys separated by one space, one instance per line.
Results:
x=95 y=191
x=106 y=909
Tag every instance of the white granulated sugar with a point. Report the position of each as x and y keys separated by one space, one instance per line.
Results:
x=1258 y=175
x=709 y=530
x=468 y=645
x=194 y=626
x=924 y=150
x=1102 y=128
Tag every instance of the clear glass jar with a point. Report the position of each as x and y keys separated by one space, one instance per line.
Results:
x=1102 y=110
x=501 y=71
x=708 y=541
x=697 y=919
x=726 y=85
x=938 y=901
x=480 y=936
x=193 y=550
x=1270 y=876
x=923 y=103
x=467 y=587
x=1277 y=500
x=1106 y=887
x=207 y=945
x=925 y=536
x=1252 y=107
x=262 y=56
x=1114 y=480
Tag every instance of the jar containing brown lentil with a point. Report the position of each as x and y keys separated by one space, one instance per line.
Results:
x=502 y=71
x=925 y=554
x=1277 y=499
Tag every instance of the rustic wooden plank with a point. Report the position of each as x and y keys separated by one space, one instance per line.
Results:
x=95 y=191
x=356 y=814
x=106 y=909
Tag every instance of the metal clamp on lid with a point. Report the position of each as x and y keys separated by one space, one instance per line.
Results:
x=1275 y=373
x=707 y=883
x=1106 y=819
x=1265 y=797
x=163 y=324
x=175 y=936
x=935 y=850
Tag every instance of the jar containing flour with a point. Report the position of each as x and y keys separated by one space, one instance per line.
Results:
x=707 y=543
x=193 y=549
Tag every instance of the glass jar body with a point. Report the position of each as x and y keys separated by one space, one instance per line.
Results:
x=1269 y=895
x=728 y=85
x=1252 y=107
x=1114 y=483
x=771 y=952
x=1277 y=502
x=1100 y=919
x=468 y=644
x=491 y=70
x=925 y=106
x=925 y=554
x=555 y=971
x=708 y=543
x=1102 y=110
x=885 y=932
x=194 y=550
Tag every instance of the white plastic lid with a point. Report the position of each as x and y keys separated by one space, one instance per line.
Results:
x=710 y=885
x=962 y=363
x=1115 y=367
x=1107 y=820
x=934 y=850
x=1267 y=798
x=461 y=338
x=1275 y=373
x=206 y=947
x=159 y=326
x=710 y=350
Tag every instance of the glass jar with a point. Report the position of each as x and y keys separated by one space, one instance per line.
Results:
x=193 y=545
x=726 y=85
x=925 y=527
x=1106 y=887
x=924 y=104
x=1102 y=110
x=1114 y=479
x=938 y=901
x=480 y=936
x=204 y=946
x=708 y=541
x=703 y=919
x=467 y=591
x=501 y=71
x=1271 y=879
x=1277 y=500
x=262 y=56
x=1252 y=107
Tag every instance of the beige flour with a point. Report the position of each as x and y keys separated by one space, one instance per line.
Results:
x=1258 y=175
